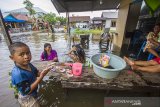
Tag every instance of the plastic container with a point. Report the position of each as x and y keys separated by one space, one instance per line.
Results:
x=116 y=62
x=77 y=69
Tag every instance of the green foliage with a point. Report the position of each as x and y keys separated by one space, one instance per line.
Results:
x=50 y=17
x=28 y=4
x=153 y=5
x=93 y=31
x=79 y=31
x=62 y=20
x=13 y=87
x=32 y=12
x=29 y=7
x=96 y=31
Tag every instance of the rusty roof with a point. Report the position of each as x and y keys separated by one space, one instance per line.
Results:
x=79 y=18
x=99 y=18
x=21 y=16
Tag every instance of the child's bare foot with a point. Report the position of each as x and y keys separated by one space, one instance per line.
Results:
x=128 y=61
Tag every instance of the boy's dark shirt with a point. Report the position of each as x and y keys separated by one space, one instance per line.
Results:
x=23 y=79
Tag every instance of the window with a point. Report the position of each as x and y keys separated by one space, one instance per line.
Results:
x=113 y=23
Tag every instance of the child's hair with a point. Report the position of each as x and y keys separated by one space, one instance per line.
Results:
x=80 y=53
x=45 y=52
x=15 y=45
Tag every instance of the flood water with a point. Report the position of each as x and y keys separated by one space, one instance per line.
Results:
x=51 y=94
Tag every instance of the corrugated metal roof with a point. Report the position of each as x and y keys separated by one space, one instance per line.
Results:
x=110 y=15
x=18 y=16
x=5 y=14
x=11 y=18
x=98 y=18
x=24 y=10
x=21 y=17
x=79 y=18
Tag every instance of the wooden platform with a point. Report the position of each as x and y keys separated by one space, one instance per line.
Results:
x=126 y=80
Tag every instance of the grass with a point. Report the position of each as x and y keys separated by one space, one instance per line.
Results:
x=92 y=31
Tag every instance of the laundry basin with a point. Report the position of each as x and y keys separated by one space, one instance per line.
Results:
x=116 y=62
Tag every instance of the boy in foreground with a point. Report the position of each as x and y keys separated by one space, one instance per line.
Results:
x=24 y=75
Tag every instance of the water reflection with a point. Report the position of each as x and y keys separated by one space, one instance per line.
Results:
x=52 y=95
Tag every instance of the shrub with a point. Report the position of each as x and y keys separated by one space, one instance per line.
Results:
x=93 y=31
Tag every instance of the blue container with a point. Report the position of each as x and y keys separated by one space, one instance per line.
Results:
x=116 y=62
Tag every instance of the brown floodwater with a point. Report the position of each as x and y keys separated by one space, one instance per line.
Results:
x=50 y=91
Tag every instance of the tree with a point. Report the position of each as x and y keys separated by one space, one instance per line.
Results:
x=61 y=19
x=29 y=7
x=50 y=17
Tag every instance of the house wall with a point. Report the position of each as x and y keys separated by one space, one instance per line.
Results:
x=132 y=19
x=108 y=24
x=134 y=13
x=121 y=24
x=81 y=24
x=98 y=24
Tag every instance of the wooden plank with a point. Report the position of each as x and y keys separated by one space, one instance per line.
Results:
x=90 y=80
x=126 y=80
x=68 y=25
x=4 y=30
x=150 y=78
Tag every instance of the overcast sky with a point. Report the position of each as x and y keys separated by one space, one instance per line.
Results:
x=46 y=5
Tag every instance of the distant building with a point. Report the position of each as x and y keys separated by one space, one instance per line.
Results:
x=98 y=22
x=23 y=14
x=79 y=21
x=16 y=21
x=39 y=11
x=111 y=18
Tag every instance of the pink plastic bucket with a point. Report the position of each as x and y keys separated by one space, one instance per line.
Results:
x=77 y=69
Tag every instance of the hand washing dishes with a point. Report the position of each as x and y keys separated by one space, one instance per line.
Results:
x=62 y=68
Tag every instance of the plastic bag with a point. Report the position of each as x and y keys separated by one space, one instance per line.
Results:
x=104 y=60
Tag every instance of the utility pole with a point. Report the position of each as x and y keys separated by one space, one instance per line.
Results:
x=68 y=30
x=68 y=25
x=5 y=31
